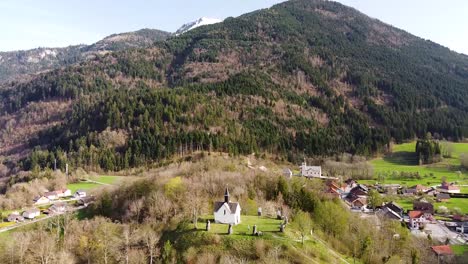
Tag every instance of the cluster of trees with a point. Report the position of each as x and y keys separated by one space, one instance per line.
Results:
x=428 y=151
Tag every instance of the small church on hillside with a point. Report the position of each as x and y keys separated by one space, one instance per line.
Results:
x=227 y=212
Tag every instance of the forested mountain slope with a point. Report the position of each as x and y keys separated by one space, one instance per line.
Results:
x=303 y=77
x=19 y=63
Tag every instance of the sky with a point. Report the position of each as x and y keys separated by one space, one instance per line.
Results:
x=26 y=24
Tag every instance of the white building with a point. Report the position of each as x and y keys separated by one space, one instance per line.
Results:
x=63 y=193
x=311 y=171
x=79 y=194
x=227 y=212
x=32 y=213
x=51 y=195
x=41 y=200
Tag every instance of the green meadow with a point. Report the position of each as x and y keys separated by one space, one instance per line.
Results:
x=403 y=159
x=82 y=186
x=103 y=179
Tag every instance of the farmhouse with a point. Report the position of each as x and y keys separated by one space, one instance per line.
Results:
x=63 y=193
x=41 y=200
x=15 y=217
x=227 y=212
x=416 y=189
x=423 y=206
x=51 y=195
x=58 y=208
x=449 y=187
x=79 y=194
x=311 y=171
x=418 y=219
x=32 y=213
x=443 y=197
x=85 y=201
x=443 y=252
x=334 y=189
x=392 y=211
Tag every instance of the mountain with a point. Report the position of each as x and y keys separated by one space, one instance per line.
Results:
x=22 y=63
x=304 y=77
x=197 y=23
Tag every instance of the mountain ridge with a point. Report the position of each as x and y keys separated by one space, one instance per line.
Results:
x=22 y=63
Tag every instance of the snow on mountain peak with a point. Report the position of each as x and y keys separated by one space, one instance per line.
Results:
x=197 y=23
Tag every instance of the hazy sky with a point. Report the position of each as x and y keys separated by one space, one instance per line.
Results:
x=26 y=24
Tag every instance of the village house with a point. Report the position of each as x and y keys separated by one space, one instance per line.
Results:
x=51 y=195
x=31 y=213
x=310 y=171
x=227 y=212
x=357 y=197
x=448 y=188
x=40 y=200
x=58 y=208
x=63 y=193
x=423 y=206
x=85 y=201
x=442 y=197
x=15 y=217
x=79 y=194
x=419 y=188
x=335 y=189
x=418 y=219
x=442 y=252
x=431 y=191
x=392 y=211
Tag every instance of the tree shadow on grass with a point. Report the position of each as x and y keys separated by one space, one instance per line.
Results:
x=402 y=158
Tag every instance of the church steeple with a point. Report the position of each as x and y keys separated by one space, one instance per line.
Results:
x=226 y=195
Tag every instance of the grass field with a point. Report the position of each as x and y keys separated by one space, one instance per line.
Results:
x=264 y=224
x=459 y=249
x=107 y=179
x=403 y=160
x=460 y=203
x=82 y=186
x=270 y=229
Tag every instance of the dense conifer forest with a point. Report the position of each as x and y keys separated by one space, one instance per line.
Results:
x=301 y=78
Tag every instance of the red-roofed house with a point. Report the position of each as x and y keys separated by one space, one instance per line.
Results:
x=442 y=250
x=418 y=218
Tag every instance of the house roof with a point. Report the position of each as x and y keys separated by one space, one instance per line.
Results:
x=32 y=211
x=394 y=207
x=449 y=186
x=386 y=211
x=419 y=187
x=419 y=205
x=442 y=250
x=443 y=196
x=50 y=193
x=415 y=214
x=232 y=206
x=40 y=197
x=87 y=199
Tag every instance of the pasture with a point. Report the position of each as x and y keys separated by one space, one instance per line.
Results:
x=403 y=159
